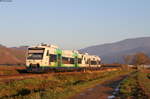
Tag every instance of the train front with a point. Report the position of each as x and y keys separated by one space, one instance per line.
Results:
x=35 y=57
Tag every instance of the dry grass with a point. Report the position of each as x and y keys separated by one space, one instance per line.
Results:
x=54 y=86
x=10 y=70
x=136 y=86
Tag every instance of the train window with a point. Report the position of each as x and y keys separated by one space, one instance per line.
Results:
x=53 y=58
x=79 y=60
x=99 y=62
x=65 y=60
x=93 y=63
x=71 y=60
x=47 y=54
x=35 y=56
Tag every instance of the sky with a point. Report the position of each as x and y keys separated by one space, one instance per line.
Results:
x=72 y=24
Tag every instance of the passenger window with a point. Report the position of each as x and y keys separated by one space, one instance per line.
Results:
x=53 y=58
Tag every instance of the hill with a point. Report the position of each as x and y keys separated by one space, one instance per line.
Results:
x=12 y=55
x=110 y=53
x=114 y=52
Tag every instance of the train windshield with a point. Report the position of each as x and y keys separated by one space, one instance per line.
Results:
x=35 y=53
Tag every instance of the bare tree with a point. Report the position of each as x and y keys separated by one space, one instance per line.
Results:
x=140 y=59
x=127 y=59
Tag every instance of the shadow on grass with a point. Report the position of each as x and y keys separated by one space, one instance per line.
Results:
x=22 y=71
x=22 y=92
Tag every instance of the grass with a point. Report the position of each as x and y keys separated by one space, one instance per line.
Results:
x=55 y=86
x=136 y=86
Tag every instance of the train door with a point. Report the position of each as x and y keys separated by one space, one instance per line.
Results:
x=76 y=61
x=89 y=62
x=59 y=60
x=47 y=58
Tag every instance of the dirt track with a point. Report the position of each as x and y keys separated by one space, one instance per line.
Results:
x=100 y=91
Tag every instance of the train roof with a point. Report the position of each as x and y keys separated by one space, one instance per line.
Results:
x=65 y=51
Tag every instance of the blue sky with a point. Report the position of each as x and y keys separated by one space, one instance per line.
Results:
x=72 y=24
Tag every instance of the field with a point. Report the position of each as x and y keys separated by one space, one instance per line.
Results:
x=136 y=86
x=21 y=85
x=52 y=86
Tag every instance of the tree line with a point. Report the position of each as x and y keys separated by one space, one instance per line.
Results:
x=137 y=59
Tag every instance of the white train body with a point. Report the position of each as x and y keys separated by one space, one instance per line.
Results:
x=51 y=56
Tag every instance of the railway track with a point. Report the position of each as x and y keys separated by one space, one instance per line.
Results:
x=8 y=78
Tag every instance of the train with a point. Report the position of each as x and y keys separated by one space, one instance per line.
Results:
x=44 y=57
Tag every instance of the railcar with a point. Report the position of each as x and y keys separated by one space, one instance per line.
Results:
x=50 y=57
